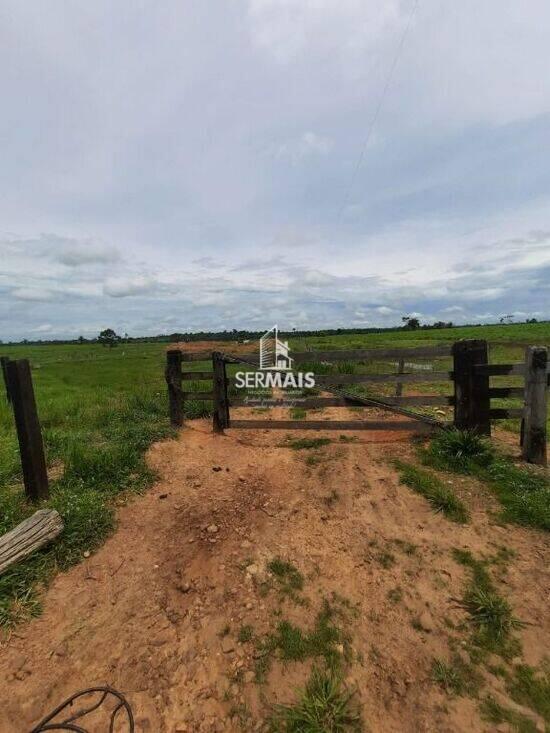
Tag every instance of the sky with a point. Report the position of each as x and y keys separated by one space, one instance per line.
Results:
x=187 y=166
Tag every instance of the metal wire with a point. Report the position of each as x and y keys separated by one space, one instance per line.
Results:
x=68 y=723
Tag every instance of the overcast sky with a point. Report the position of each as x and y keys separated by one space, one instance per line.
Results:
x=174 y=166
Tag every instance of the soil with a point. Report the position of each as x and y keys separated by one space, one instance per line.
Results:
x=156 y=612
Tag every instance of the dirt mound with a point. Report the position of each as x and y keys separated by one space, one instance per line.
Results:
x=174 y=608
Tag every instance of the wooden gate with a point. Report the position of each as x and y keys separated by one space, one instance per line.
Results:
x=352 y=378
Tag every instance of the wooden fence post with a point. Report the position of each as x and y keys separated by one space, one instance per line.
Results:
x=174 y=380
x=400 y=370
x=221 y=402
x=471 y=390
x=4 y=362
x=535 y=410
x=31 y=447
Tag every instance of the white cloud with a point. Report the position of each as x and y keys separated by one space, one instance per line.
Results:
x=124 y=287
x=32 y=294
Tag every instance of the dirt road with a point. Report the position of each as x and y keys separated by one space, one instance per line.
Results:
x=158 y=611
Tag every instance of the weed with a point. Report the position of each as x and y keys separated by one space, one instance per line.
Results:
x=196 y=409
x=348 y=438
x=459 y=449
x=298 y=413
x=532 y=689
x=523 y=492
x=495 y=713
x=331 y=498
x=395 y=595
x=490 y=614
x=386 y=559
x=324 y=706
x=289 y=578
x=313 y=460
x=246 y=633
x=441 y=497
x=409 y=548
x=456 y=678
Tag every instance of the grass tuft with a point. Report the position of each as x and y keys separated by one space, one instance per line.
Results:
x=441 y=497
x=324 y=706
x=307 y=443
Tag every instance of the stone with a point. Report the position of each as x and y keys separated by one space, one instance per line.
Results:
x=212 y=529
x=426 y=621
x=228 y=645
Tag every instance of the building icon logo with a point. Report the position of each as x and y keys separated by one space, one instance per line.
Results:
x=273 y=352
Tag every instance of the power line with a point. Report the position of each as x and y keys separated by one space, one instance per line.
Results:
x=378 y=108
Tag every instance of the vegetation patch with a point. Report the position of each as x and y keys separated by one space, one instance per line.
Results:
x=495 y=713
x=490 y=614
x=290 y=643
x=441 y=497
x=298 y=413
x=289 y=579
x=456 y=677
x=523 y=491
x=325 y=705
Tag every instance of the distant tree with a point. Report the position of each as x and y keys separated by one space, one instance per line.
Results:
x=81 y=340
x=410 y=323
x=531 y=320
x=507 y=319
x=109 y=338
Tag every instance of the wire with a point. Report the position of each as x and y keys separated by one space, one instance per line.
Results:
x=377 y=110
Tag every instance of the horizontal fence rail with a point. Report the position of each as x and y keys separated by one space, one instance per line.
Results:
x=470 y=374
x=411 y=425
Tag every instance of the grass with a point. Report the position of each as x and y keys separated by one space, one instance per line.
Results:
x=100 y=409
x=325 y=705
x=532 y=688
x=246 y=633
x=298 y=413
x=523 y=491
x=490 y=615
x=495 y=713
x=290 y=643
x=289 y=578
x=441 y=497
x=457 y=677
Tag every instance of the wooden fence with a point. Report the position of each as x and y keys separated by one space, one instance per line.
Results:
x=20 y=394
x=471 y=391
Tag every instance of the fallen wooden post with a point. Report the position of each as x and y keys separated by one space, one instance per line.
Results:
x=35 y=532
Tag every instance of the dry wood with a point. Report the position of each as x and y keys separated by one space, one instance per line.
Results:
x=535 y=413
x=35 y=532
x=173 y=381
x=411 y=425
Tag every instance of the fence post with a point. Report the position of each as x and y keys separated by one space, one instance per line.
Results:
x=29 y=435
x=4 y=362
x=535 y=411
x=471 y=390
x=400 y=370
x=174 y=380
x=221 y=402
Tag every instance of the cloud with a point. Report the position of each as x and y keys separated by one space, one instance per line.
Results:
x=78 y=254
x=125 y=287
x=32 y=294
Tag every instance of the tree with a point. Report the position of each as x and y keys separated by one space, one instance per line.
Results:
x=109 y=338
x=81 y=340
x=410 y=323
